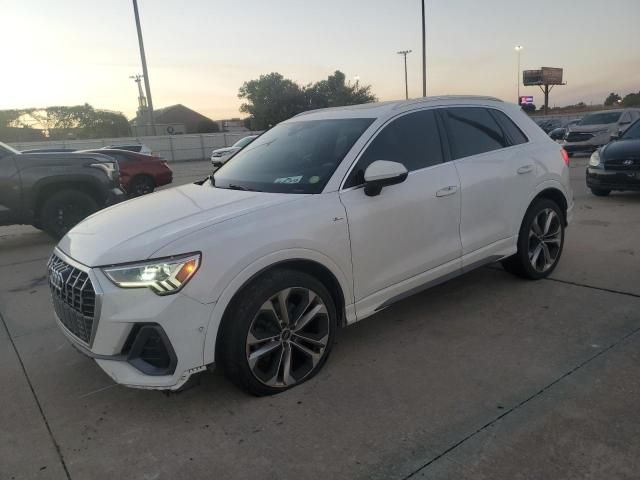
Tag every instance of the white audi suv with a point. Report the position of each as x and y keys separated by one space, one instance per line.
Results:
x=322 y=221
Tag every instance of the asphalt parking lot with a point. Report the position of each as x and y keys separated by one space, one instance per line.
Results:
x=484 y=377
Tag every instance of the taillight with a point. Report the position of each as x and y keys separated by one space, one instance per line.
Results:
x=565 y=156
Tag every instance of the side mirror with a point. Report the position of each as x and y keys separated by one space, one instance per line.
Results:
x=383 y=173
x=614 y=136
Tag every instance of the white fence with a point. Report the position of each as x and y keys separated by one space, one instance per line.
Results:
x=173 y=148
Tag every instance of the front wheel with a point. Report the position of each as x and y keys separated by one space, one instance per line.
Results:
x=599 y=192
x=540 y=241
x=141 y=186
x=278 y=332
x=63 y=210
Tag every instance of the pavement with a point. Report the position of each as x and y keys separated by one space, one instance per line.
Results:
x=484 y=377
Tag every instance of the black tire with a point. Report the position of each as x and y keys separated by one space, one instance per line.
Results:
x=141 y=185
x=246 y=313
x=62 y=210
x=521 y=264
x=599 y=192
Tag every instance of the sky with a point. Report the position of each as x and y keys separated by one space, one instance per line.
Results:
x=199 y=52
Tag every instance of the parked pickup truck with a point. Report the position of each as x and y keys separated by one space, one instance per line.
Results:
x=55 y=191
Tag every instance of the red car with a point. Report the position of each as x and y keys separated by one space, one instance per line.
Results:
x=139 y=174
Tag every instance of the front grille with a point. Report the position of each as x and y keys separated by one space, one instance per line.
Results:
x=632 y=164
x=578 y=137
x=74 y=298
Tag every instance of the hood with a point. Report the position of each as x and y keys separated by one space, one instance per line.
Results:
x=63 y=158
x=226 y=149
x=591 y=128
x=135 y=229
x=621 y=150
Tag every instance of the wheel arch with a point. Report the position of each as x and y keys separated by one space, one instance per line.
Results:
x=325 y=271
x=556 y=195
x=44 y=191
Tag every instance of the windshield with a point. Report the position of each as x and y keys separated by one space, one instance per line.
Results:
x=294 y=157
x=243 y=141
x=633 y=132
x=601 y=118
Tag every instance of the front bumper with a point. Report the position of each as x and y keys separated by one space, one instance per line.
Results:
x=115 y=195
x=580 y=147
x=613 y=179
x=141 y=339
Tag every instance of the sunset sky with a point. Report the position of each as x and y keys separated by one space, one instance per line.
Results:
x=199 y=52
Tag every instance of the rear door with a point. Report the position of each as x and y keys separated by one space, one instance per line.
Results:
x=496 y=176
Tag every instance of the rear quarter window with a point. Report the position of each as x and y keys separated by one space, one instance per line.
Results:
x=516 y=137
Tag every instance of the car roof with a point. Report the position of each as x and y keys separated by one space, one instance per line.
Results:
x=382 y=109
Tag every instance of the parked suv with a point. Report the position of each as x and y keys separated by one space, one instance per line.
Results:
x=595 y=129
x=54 y=191
x=322 y=221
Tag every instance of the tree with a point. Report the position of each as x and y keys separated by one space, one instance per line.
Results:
x=612 y=99
x=528 y=107
x=631 y=100
x=334 y=92
x=271 y=99
x=60 y=122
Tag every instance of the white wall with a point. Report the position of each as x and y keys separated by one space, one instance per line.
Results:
x=173 y=148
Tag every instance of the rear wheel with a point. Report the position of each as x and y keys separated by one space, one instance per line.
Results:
x=540 y=241
x=600 y=192
x=63 y=210
x=278 y=332
x=141 y=186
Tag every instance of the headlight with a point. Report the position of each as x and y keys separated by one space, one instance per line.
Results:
x=594 y=161
x=164 y=276
x=110 y=168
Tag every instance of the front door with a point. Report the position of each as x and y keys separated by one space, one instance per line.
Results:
x=410 y=228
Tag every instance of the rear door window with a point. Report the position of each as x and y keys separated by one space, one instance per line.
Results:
x=472 y=131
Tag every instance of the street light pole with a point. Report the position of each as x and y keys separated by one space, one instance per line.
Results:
x=518 y=49
x=145 y=73
x=406 y=83
x=424 y=53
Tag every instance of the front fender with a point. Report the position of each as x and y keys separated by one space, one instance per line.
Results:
x=260 y=265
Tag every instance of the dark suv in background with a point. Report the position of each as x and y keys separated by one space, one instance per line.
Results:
x=55 y=191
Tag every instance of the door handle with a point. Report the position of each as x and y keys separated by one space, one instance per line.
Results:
x=525 y=169
x=446 y=191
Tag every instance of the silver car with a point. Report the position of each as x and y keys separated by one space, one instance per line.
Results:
x=220 y=156
x=595 y=129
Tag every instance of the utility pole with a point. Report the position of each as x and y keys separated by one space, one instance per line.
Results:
x=145 y=73
x=518 y=49
x=142 y=101
x=406 y=84
x=424 y=53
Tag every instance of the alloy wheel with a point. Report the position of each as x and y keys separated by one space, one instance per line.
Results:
x=545 y=240
x=288 y=337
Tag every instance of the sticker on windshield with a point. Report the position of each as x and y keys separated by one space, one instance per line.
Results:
x=288 y=179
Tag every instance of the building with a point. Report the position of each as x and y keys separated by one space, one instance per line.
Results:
x=173 y=120
x=232 y=125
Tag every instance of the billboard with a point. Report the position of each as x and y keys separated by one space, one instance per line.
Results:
x=544 y=76
x=526 y=100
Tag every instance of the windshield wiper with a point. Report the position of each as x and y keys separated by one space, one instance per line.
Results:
x=233 y=186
